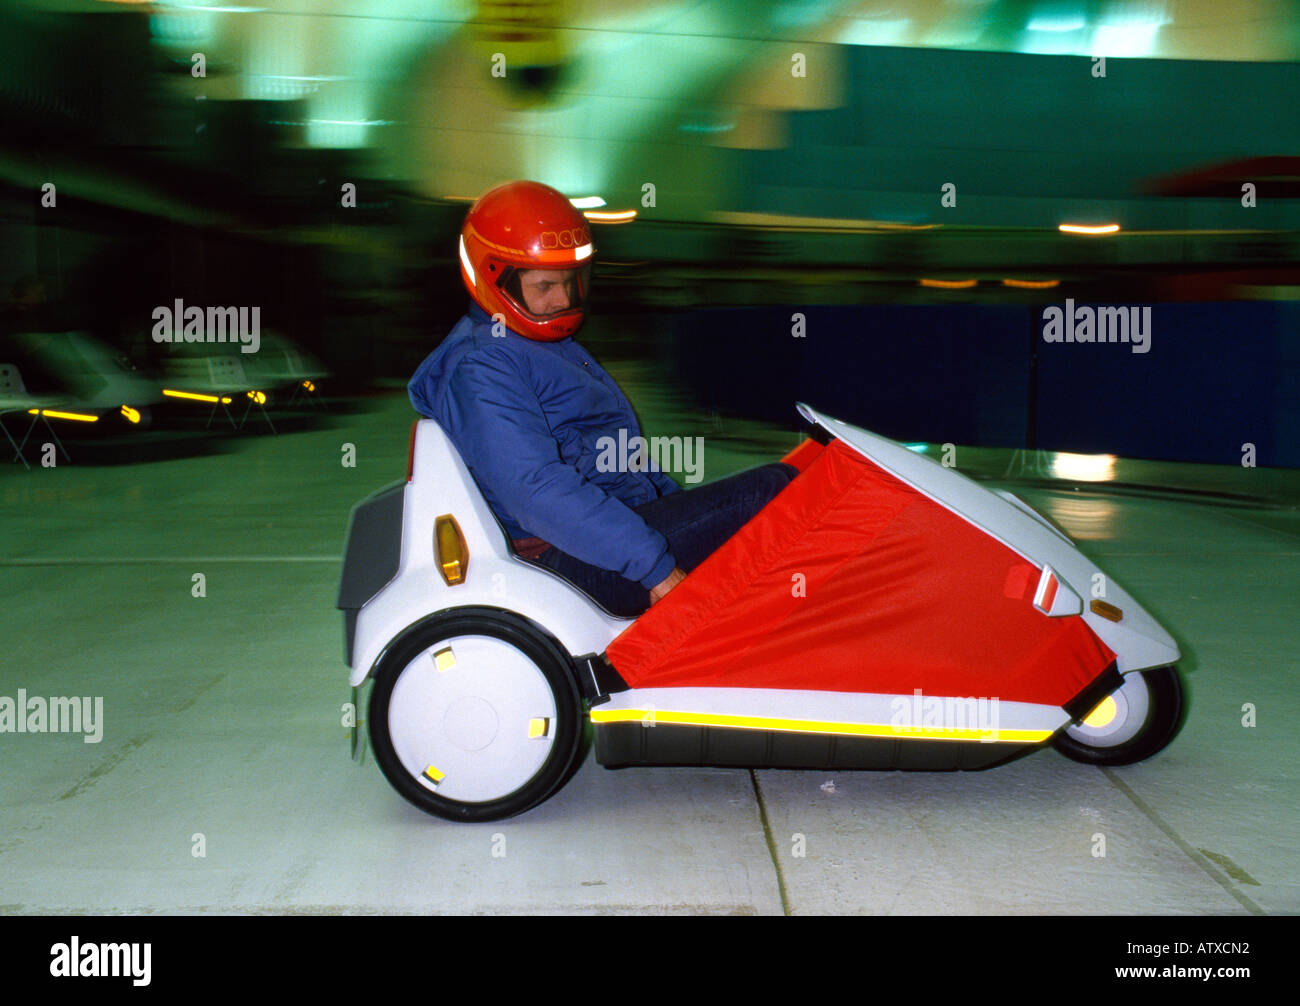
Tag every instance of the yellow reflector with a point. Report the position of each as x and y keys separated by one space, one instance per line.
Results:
x=444 y=659
x=658 y=716
x=52 y=414
x=195 y=396
x=538 y=726
x=1106 y=610
x=1103 y=714
x=452 y=554
x=132 y=415
x=433 y=775
x=257 y=397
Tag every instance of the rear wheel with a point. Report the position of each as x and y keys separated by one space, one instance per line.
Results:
x=476 y=716
x=1132 y=723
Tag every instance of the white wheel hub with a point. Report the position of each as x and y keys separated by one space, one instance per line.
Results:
x=472 y=718
x=1119 y=725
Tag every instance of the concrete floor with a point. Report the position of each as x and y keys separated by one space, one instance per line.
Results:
x=222 y=720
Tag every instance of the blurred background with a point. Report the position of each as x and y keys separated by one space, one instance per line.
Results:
x=896 y=172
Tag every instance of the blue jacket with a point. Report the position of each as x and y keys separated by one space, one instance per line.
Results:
x=526 y=417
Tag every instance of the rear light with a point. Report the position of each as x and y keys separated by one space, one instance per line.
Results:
x=410 y=452
x=1106 y=610
x=451 y=553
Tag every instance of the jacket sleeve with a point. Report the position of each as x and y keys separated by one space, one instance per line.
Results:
x=510 y=448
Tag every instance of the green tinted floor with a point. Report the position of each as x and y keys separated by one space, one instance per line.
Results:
x=221 y=727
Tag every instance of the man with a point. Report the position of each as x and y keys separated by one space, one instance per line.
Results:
x=526 y=406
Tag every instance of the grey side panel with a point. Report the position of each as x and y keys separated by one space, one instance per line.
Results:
x=371 y=556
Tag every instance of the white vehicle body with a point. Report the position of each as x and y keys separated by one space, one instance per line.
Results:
x=481 y=674
x=441 y=484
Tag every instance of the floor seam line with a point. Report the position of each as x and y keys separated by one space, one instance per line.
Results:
x=1210 y=869
x=771 y=842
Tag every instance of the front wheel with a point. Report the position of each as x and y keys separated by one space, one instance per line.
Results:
x=1132 y=723
x=475 y=716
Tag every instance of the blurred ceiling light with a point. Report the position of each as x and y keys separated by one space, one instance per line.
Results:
x=1032 y=284
x=1130 y=33
x=218 y=9
x=950 y=284
x=1046 y=22
x=588 y=202
x=610 y=217
x=1088 y=228
x=1084 y=467
x=865 y=32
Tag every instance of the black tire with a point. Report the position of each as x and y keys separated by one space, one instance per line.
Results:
x=1136 y=740
x=549 y=660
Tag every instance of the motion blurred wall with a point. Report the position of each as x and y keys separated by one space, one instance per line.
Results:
x=816 y=193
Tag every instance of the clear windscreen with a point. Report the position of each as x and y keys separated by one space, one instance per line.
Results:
x=546 y=293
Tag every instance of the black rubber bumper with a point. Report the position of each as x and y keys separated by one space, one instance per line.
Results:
x=371 y=556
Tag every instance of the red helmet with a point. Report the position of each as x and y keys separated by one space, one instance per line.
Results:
x=524 y=226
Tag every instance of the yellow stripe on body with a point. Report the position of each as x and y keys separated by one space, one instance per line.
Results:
x=653 y=716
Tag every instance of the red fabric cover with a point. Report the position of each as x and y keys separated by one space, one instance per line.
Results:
x=900 y=594
x=802 y=456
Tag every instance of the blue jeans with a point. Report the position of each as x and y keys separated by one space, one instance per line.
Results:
x=695 y=521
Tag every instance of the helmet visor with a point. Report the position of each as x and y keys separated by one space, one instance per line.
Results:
x=542 y=294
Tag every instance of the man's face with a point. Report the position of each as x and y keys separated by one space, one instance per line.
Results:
x=548 y=291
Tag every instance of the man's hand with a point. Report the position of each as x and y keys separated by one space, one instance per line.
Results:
x=672 y=580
